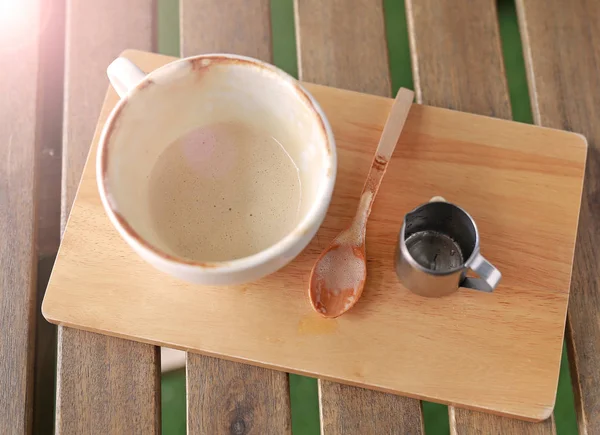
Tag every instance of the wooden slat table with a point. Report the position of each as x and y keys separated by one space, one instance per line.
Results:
x=19 y=63
x=108 y=385
x=104 y=384
x=563 y=64
x=48 y=181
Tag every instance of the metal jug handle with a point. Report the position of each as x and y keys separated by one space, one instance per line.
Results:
x=489 y=276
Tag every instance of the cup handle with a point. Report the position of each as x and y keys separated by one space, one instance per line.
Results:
x=124 y=75
x=489 y=276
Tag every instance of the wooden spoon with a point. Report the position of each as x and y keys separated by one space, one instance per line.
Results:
x=338 y=277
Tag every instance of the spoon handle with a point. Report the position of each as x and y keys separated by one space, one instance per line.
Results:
x=387 y=143
x=395 y=123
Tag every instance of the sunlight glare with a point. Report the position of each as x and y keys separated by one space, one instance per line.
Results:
x=19 y=21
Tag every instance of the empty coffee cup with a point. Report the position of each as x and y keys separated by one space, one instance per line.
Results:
x=217 y=169
x=438 y=244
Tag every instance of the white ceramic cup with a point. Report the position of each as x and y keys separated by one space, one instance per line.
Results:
x=157 y=108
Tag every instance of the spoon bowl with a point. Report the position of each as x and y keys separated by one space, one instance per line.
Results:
x=338 y=278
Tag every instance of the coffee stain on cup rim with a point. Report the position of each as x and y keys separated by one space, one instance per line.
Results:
x=146 y=83
x=201 y=63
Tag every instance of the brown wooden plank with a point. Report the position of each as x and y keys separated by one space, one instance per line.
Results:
x=352 y=410
x=562 y=60
x=468 y=422
x=342 y=43
x=97 y=32
x=229 y=397
x=51 y=82
x=104 y=385
x=457 y=63
x=19 y=63
x=456 y=56
x=223 y=396
x=48 y=173
x=226 y=26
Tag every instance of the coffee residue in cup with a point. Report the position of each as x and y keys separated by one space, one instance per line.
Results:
x=223 y=192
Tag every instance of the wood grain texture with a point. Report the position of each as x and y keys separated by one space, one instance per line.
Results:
x=19 y=63
x=234 y=398
x=49 y=152
x=562 y=60
x=97 y=32
x=48 y=181
x=106 y=385
x=341 y=43
x=352 y=410
x=103 y=384
x=457 y=63
x=226 y=26
x=477 y=423
x=98 y=281
x=456 y=56
x=262 y=407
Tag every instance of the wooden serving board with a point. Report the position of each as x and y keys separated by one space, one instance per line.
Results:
x=498 y=352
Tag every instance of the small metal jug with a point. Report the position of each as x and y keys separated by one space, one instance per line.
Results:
x=438 y=244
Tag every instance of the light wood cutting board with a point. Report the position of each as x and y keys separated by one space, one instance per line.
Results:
x=498 y=352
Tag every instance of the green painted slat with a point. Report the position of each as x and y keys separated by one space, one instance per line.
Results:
x=514 y=62
x=435 y=419
x=396 y=32
x=284 y=37
x=173 y=403
x=168 y=27
x=304 y=399
x=564 y=411
x=173 y=406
